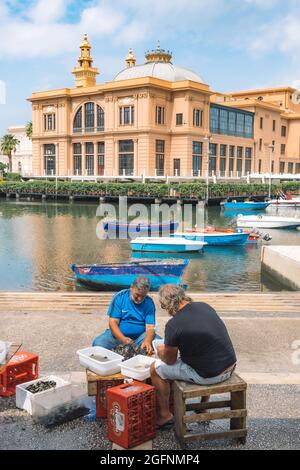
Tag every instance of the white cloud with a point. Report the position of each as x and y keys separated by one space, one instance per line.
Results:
x=101 y=20
x=264 y=4
x=43 y=31
x=45 y=11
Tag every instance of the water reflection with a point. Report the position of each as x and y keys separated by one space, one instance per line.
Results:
x=39 y=242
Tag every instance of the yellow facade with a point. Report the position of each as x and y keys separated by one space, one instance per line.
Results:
x=159 y=124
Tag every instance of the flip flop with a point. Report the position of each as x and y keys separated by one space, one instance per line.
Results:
x=166 y=426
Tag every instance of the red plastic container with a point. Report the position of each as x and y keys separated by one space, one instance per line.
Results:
x=101 y=401
x=131 y=412
x=22 y=368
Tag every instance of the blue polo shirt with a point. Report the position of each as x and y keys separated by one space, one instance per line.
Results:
x=133 y=317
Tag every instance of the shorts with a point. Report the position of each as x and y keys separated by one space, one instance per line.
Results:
x=181 y=371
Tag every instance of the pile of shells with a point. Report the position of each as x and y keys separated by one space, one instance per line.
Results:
x=41 y=386
x=130 y=350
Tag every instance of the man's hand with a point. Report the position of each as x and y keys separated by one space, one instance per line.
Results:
x=127 y=340
x=148 y=346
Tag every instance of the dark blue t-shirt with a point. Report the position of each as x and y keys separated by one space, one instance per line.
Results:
x=133 y=317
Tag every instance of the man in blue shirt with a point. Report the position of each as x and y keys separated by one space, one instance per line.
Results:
x=131 y=318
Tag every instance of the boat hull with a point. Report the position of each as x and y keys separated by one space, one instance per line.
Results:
x=109 y=277
x=218 y=239
x=140 y=229
x=267 y=224
x=285 y=203
x=169 y=245
x=250 y=206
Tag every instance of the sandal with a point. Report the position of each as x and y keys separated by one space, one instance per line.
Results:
x=166 y=426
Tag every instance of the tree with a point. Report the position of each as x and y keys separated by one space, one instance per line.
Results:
x=3 y=169
x=29 y=130
x=9 y=144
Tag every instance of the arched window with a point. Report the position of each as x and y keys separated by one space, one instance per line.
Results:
x=100 y=118
x=77 y=125
x=86 y=116
x=89 y=110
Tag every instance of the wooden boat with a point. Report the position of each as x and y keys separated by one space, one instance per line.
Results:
x=247 y=205
x=167 y=244
x=267 y=221
x=216 y=238
x=140 y=228
x=121 y=275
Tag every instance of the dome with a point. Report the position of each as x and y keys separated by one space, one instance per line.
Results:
x=158 y=65
x=161 y=70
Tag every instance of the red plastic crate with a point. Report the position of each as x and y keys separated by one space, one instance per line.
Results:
x=131 y=412
x=22 y=368
x=101 y=401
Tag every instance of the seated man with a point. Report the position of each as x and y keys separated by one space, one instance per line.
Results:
x=131 y=318
x=207 y=355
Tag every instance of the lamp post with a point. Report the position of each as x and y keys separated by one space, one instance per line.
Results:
x=271 y=150
x=207 y=139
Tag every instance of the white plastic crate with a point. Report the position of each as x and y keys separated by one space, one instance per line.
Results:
x=39 y=404
x=137 y=367
x=111 y=366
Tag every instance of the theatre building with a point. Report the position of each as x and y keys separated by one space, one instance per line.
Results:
x=158 y=119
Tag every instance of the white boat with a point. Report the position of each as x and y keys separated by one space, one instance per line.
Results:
x=267 y=221
x=281 y=202
x=166 y=244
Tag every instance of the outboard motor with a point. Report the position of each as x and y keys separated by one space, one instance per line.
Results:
x=267 y=237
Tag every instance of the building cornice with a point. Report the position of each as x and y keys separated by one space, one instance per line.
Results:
x=253 y=104
x=68 y=93
x=260 y=90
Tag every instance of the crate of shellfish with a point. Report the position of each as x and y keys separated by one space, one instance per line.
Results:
x=39 y=397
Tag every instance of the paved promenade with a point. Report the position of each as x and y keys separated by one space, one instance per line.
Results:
x=265 y=329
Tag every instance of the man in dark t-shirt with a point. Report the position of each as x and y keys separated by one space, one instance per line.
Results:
x=198 y=334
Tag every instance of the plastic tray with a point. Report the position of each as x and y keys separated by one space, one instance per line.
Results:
x=128 y=368
x=39 y=404
x=157 y=342
x=112 y=366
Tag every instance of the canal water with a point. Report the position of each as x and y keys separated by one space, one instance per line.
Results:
x=40 y=240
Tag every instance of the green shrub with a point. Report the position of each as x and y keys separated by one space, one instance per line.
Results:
x=153 y=190
x=13 y=177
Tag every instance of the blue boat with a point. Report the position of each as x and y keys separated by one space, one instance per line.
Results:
x=167 y=245
x=247 y=205
x=144 y=229
x=111 y=277
x=216 y=238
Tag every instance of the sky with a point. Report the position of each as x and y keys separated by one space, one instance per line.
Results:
x=231 y=44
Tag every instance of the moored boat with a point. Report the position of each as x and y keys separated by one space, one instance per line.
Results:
x=288 y=202
x=267 y=221
x=216 y=238
x=247 y=205
x=121 y=275
x=167 y=245
x=139 y=228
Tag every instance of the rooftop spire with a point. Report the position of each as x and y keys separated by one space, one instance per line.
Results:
x=130 y=59
x=158 y=55
x=85 y=74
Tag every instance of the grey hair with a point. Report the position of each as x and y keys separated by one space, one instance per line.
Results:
x=171 y=296
x=142 y=285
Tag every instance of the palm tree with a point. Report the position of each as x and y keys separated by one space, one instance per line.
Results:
x=9 y=144
x=29 y=130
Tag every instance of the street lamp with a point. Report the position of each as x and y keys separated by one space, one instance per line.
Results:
x=207 y=139
x=271 y=150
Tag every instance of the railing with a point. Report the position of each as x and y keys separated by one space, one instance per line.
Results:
x=126 y=172
x=88 y=130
